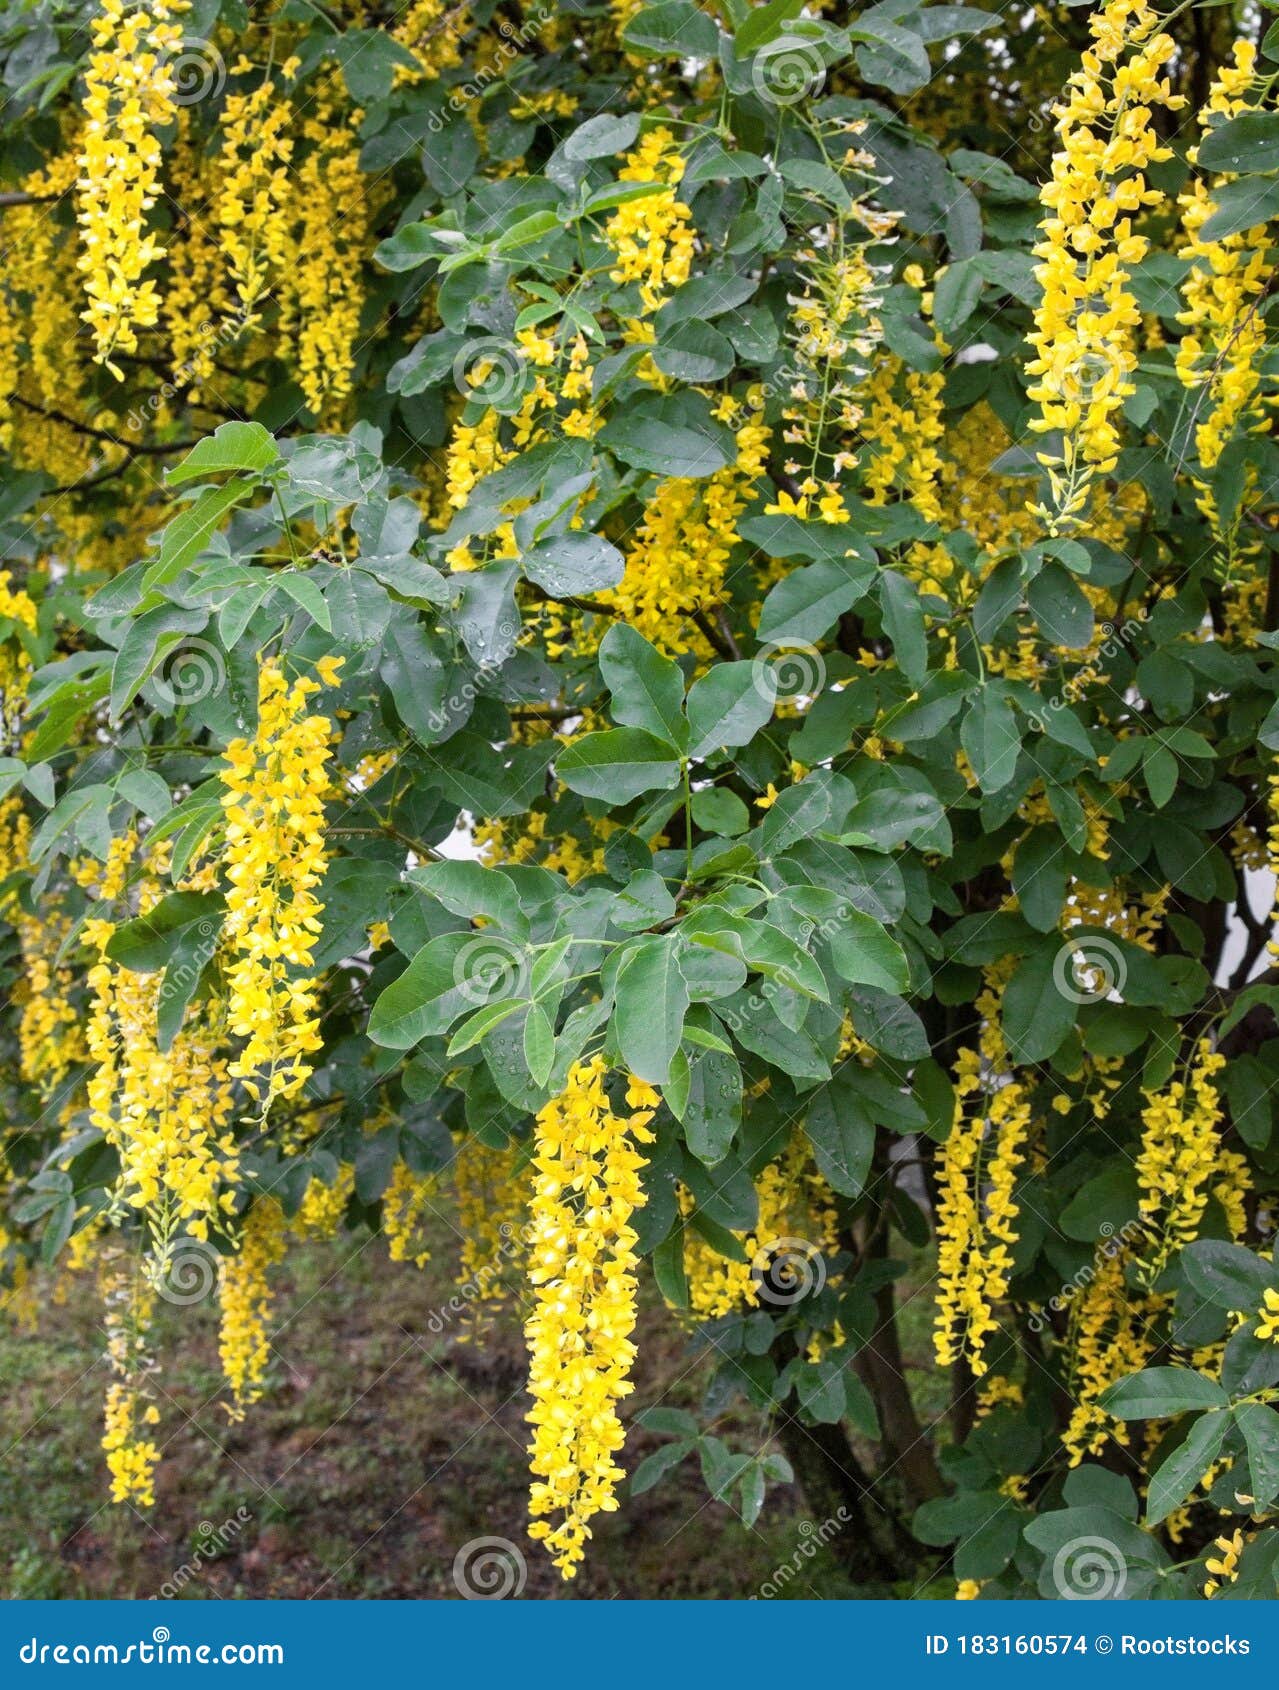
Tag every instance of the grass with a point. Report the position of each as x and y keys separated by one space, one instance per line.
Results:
x=383 y=1445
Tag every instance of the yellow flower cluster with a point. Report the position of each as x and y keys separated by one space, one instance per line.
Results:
x=130 y=1448
x=1220 y=357
x=795 y=1203
x=676 y=568
x=405 y=1203
x=254 y=189
x=1268 y=1317
x=1178 y=1159
x=197 y=299
x=977 y=1210
x=245 y=1300
x=167 y=1112
x=1225 y=1565
x=834 y=330
x=902 y=427
x=129 y=94
x=43 y=271
x=582 y=1267
x=432 y=30
x=274 y=860
x=1083 y=332
x=321 y=1210
x=652 y=236
x=1112 y=1334
x=322 y=293
x=491 y=1189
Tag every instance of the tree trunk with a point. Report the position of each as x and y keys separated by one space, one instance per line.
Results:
x=871 y=1546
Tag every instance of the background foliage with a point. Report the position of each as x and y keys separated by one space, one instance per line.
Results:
x=679 y=599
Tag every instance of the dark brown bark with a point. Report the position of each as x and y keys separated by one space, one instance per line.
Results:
x=872 y=1546
x=907 y=1449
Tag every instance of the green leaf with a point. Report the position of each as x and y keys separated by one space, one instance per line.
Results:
x=147 y=641
x=236 y=445
x=864 y=955
x=990 y=737
x=433 y=991
x=1260 y=1427
x=719 y=810
x=539 y=1044
x=763 y=24
x=713 y=1112
x=1174 y=1479
x=1039 y=878
x=673 y=435
x=470 y=889
x=1159 y=1393
x=647 y=687
x=650 y=1005
x=1064 y=615
x=617 y=765
x=412 y=246
x=1229 y=1276
x=904 y=624
x=602 y=137
x=894 y=58
x=572 y=564
x=694 y=352
x=672 y=28
x=808 y=602
x=146 y=943
x=662 y=1461
x=842 y=1135
x=63 y=711
x=189 y=532
x=668 y=1271
x=645 y=901
x=1038 y=1013
x=1246 y=203
x=727 y=707
x=1247 y=143
x=957 y=294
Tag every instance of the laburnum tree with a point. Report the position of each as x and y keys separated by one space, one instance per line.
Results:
x=653 y=625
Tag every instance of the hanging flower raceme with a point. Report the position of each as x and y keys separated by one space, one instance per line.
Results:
x=1220 y=356
x=130 y=91
x=582 y=1265
x=676 y=569
x=977 y=1206
x=652 y=236
x=1083 y=333
x=321 y=288
x=1112 y=1333
x=254 y=189
x=834 y=331
x=274 y=860
x=1179 y=1159
x=246 y=1298
x=130 y=1414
